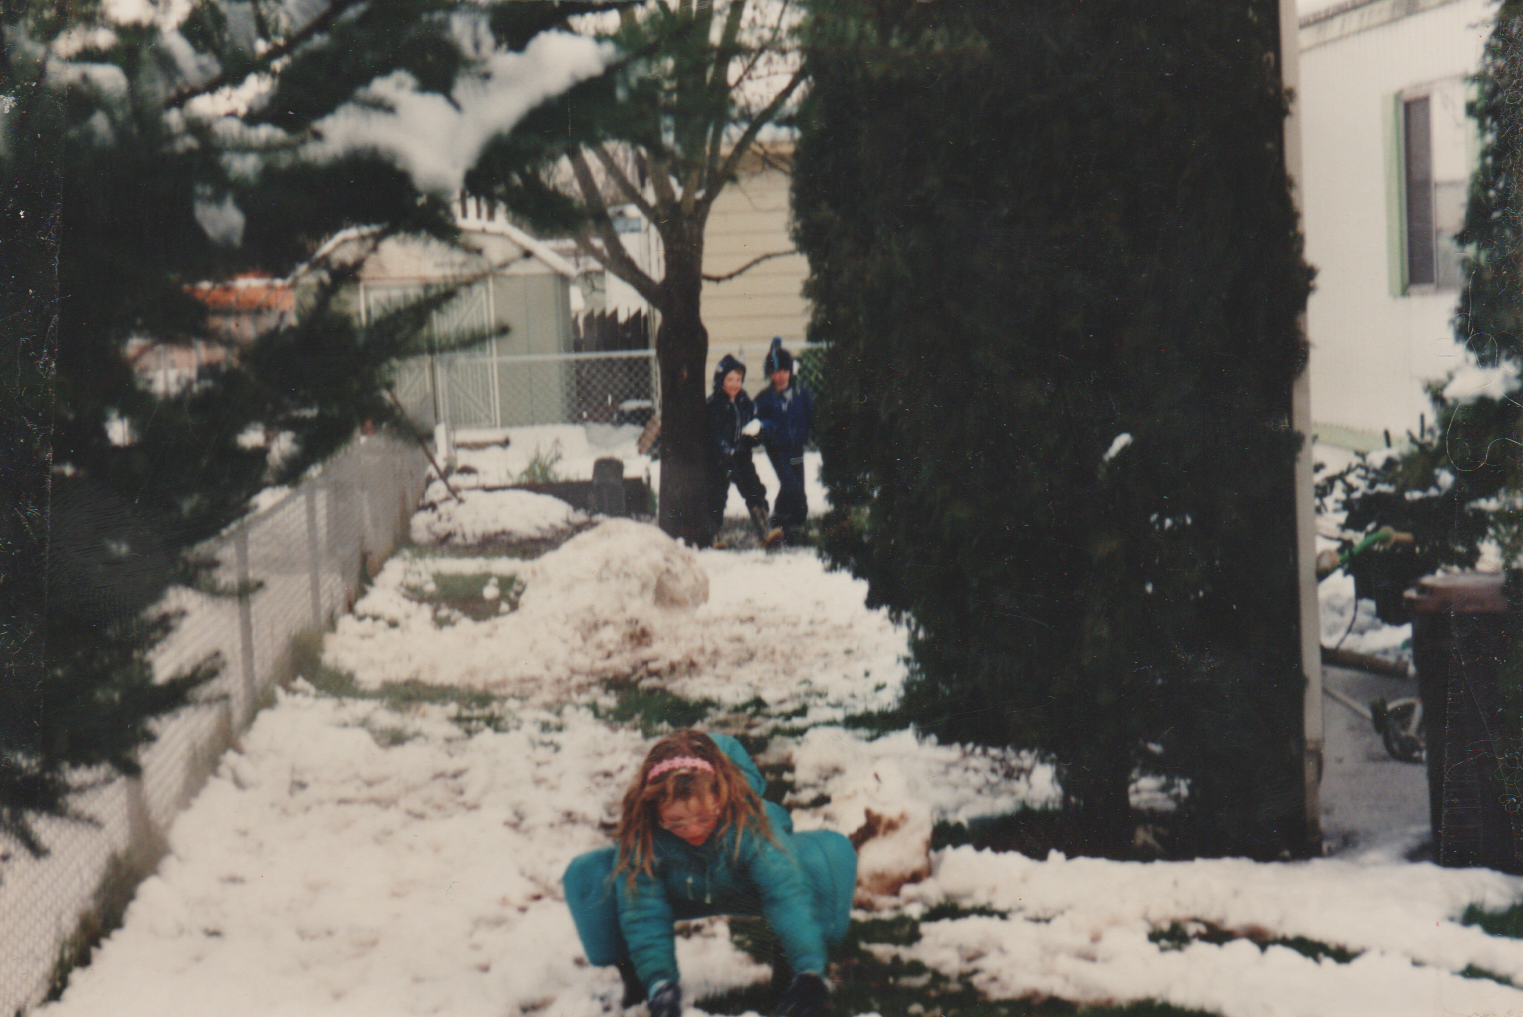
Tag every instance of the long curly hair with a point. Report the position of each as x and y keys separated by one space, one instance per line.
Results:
x=640 y=817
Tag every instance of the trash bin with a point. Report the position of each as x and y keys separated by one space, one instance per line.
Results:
x=1459 y=644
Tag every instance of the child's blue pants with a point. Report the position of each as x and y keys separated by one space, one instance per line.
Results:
x=827 y=858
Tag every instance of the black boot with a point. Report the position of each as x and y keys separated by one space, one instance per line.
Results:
x=782 y=973
x=634 y=989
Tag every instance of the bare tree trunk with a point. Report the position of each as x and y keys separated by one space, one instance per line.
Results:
x=682 y=348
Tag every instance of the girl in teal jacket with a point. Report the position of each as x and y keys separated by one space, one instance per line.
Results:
x=695 y=838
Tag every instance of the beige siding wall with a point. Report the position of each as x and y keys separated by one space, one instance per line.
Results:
x=750 y=219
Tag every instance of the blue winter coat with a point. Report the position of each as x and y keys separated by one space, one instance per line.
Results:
x=731 y=873
x=785 y=428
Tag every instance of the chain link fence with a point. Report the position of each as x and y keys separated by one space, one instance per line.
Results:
x=482 y=389
x=303 y=557
x=469 y=389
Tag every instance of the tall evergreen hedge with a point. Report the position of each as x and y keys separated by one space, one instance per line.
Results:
x=1055 y=258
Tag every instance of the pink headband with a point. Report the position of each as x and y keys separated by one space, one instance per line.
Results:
x=679 y=763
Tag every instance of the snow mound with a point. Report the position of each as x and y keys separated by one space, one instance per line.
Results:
x=615 y=567
x=492 y=515
x=609 y=603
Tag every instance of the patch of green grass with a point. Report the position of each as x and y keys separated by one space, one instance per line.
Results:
x=402 y=696
x=1178 y=936
x=879 y=722
x=541 y=468
x=948 y=910
x=307 y=663
x=101 y=918
x=390 y=736
x=898 y=930
x=1507 y=923
x=1471 y=971
x=462 y=593
x=1315 y=949
x=654 y=709
x=477 y=709
x=1032 y=832
x=862 y=983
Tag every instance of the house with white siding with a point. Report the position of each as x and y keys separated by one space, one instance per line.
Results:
x=1387 y=154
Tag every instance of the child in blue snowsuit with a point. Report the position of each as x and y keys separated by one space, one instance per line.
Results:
x=695 y=839
x=786 y=413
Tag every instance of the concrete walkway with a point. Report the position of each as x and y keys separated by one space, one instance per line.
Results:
x=1370 y=802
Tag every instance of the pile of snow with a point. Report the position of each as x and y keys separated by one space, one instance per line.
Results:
x=481 y=516
x=600 y=606
x=623 y=600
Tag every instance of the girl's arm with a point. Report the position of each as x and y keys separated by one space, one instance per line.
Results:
x=788 y=903
x=646 y=919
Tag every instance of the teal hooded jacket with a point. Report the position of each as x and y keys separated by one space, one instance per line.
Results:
x=734 y=872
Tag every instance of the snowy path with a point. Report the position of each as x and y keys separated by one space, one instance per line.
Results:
x=393 y=857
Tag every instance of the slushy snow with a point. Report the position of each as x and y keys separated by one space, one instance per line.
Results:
x=354 y=857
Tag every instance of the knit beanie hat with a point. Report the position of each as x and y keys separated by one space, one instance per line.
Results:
x=778 y=359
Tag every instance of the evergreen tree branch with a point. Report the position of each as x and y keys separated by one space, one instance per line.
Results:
x=747 y=266
x=319 y=24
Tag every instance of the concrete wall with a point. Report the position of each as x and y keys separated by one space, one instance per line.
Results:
x=1374 y=341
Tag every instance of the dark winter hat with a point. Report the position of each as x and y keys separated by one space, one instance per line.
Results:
x=727 y=363
x=778 y=359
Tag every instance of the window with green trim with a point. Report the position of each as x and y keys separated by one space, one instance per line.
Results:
x=1433 y=167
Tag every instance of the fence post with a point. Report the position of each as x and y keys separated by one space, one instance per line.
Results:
x=142 y=838
x=314 y=562
x=245 y=624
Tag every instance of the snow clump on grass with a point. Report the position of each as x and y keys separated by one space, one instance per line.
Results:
x=481 y=516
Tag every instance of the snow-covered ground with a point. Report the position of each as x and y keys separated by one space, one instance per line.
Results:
x=571 y=449
x=401 y=855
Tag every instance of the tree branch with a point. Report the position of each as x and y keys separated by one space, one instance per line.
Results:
x=726 y=172
x=747 y=266
x=612 y=256
x=622 y=181
x=719 y=77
